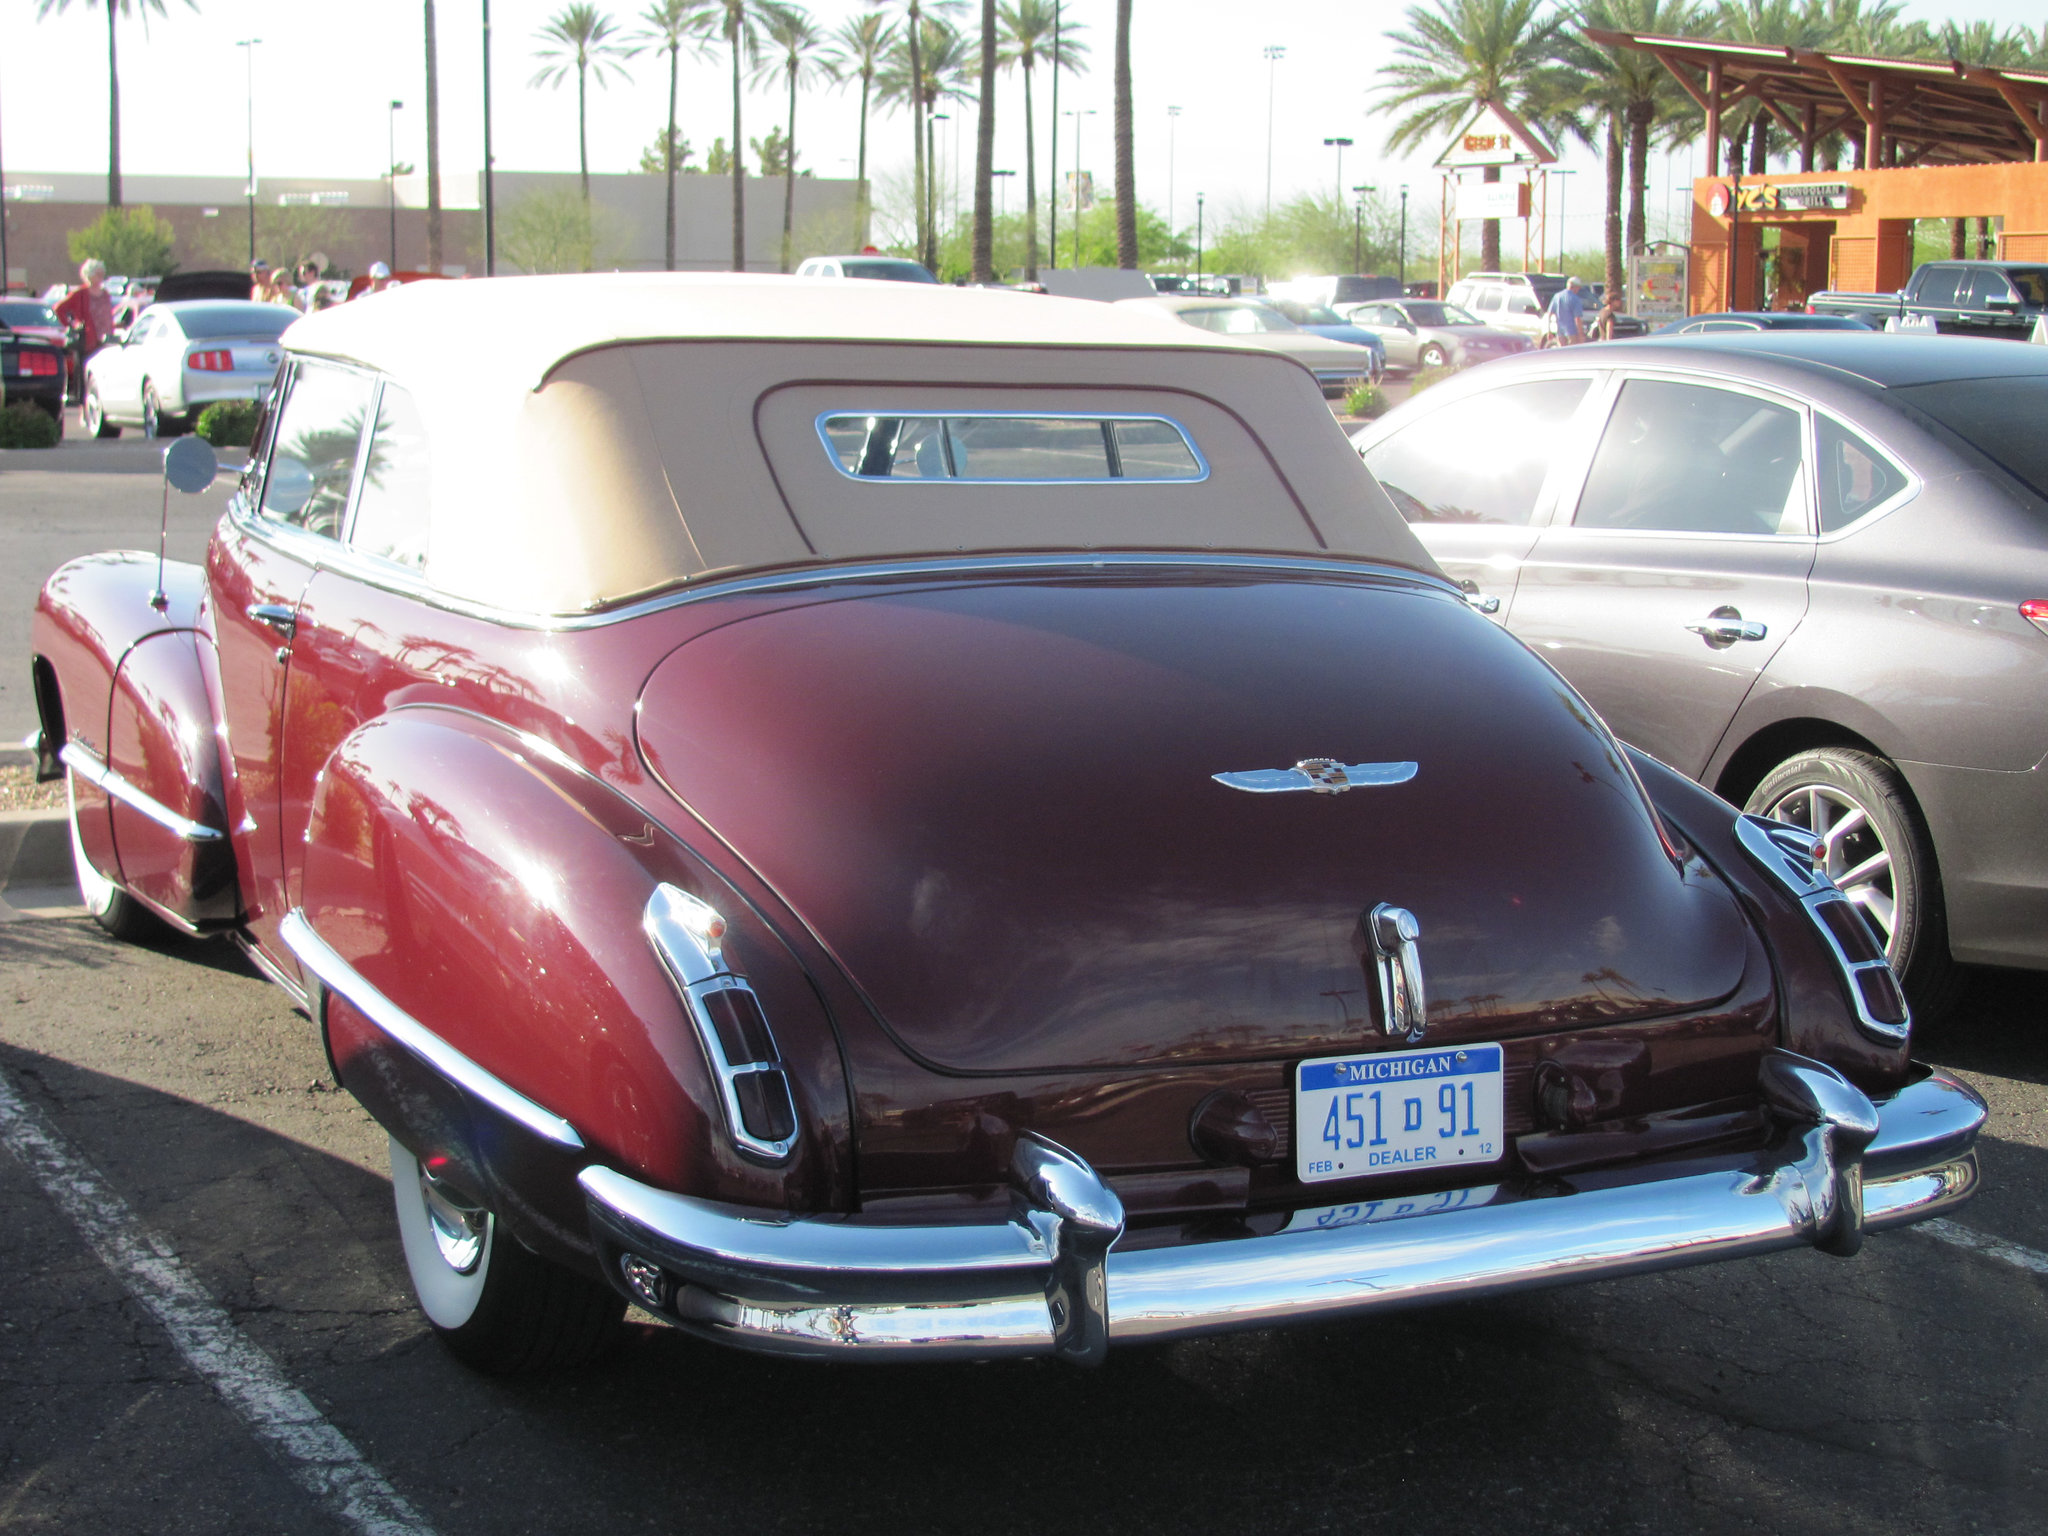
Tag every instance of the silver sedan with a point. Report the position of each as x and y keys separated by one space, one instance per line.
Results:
x=179 y=358
x=1428 y=333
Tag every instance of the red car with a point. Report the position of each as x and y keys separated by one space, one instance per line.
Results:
x=911 y=822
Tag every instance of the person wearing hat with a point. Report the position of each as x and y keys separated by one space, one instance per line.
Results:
x=380 y=279
x=1568 y=311
x=259 y=280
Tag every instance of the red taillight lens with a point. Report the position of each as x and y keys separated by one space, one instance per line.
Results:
x=215 y=360
x=2035 y=611
x=44 y=365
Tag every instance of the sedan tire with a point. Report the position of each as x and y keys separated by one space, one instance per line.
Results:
x=156 y=422
x=120 y=914
x=94 y=414
x=498 y=1306
x=1432 y=355
x=1878 y=852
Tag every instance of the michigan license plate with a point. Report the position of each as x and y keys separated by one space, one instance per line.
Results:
x=1397 y=1112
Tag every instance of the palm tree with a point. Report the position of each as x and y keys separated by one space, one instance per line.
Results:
x=796 y=53
x=1028 y=40
x=859 y=47
x=739 y=24
x=114 y=9
x=985 y=151
x=669 y=26
x=581 y=39
x=433 y=145
x=1455 y=52
x=1126 y=182
x=943 y=71
x=1632 y=93
x=917 y=14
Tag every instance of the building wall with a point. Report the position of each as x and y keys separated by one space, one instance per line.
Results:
x=1872 y=239
x=353 y=222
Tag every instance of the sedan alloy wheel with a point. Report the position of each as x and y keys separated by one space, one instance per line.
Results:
x=94 y=414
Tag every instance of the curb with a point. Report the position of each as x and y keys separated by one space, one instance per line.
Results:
x=35 y=849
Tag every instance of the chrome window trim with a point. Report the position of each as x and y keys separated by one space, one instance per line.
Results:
x=1784 y=852
x=1187 y=438
x=254 y=518
x=337 y=975
x=87 y=765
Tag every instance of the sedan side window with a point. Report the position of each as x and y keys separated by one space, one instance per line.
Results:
x=314 y=459
x=392 y=510
x=1684 y=458
x=1481 y=460
x=1854 y=477
x=1938 y=287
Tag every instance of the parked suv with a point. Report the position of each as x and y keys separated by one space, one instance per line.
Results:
x=1513 y=301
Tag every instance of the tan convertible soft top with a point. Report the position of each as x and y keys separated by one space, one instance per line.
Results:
x=597 y=437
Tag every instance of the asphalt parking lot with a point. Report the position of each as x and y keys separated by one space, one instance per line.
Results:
x=200 y=1238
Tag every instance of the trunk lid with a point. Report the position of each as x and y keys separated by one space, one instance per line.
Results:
x=995 y=805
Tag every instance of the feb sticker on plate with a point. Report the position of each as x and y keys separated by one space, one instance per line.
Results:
x=1397 y=1112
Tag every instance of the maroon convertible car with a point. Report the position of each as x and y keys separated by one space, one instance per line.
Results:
x=996 y=843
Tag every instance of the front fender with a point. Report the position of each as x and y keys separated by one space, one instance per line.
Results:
x=494 y=893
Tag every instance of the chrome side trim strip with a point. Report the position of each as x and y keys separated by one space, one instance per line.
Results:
x=253 y=953
x=86 y=764
x=841 y=1286
x=339 y=976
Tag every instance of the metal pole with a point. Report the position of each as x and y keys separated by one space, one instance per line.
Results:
x=1358 y=220
x=3 y=246
x=248 y=45
x=1052 y=206
x=391 y=172
x=490 y=201
x=1341 y=146
x=1274 y=53
x=1403 y=258
x=1172 y=119
x=1198 y=238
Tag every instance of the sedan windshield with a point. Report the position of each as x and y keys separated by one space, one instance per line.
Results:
x=29 y=312
x=888 y=271
x=2000 y=418
x=1441 y=314
x=203 y=322
x=1238 y=319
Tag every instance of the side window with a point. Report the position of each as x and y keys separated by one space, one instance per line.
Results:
x=1854 y=477
x=1522 y=304
x=313 y=456
x=1481 y=460
x=1938 y=287
x=142 y=330
x=392 y=509
x=1486 y=300
x=1685 y=458
x=1986 y=284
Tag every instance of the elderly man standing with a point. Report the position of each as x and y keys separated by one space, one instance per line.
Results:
x=1568 y=309
x=88 y=311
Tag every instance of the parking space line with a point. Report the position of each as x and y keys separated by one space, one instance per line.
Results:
x=319 y=1457
x=1946 y=1231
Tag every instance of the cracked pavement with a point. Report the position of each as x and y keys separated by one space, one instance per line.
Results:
x=1901 y=1391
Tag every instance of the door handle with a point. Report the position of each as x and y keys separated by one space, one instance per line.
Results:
x=276 y=615
x=1727 y=628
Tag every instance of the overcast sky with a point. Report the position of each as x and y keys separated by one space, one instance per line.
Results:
x=325 y=74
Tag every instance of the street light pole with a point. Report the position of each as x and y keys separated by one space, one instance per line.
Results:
x=248 y=45
x=1052 y=172
x=1273 y=54
x=490 y=201
x=1358 y=222
x=1403 y=257
x=1340 y=145
x=1172 y=120
x=391 y=172
x=1077 y=115
x=1198 y=238
x=1003 y=186
x=1561 y=171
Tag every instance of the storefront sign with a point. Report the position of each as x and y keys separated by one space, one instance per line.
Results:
x=1493 y=200
x=1782 y=197
x=1494 y=136
x=1657 y=281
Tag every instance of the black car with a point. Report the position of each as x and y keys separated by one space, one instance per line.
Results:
x=32 y=369
x=1760 y=320
x=1807 y=568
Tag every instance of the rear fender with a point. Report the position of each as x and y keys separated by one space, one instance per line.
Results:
x=494 y=893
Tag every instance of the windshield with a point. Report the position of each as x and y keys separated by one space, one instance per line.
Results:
x=1238 y=319
x=1441 y=314
x=28 y=312
x=205 y=322
x=2000 y=418
x=888 y=271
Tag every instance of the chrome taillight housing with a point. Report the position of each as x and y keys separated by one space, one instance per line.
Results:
x=1791 y=857
x=759 y=1110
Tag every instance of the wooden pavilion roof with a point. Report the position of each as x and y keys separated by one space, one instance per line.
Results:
x=1907 y=111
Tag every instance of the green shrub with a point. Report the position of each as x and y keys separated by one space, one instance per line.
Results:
x=133 y=242
x=228 y=423
x=1366 y=400
x=23 y=425
x=1424 y=377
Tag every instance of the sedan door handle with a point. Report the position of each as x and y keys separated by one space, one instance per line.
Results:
x=1728 y=628
x=276 y=615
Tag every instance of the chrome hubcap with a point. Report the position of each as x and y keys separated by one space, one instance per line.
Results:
x=459 y=1230
x=1853 y=851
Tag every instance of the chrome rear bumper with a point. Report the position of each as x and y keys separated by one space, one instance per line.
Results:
x=1051 y=1281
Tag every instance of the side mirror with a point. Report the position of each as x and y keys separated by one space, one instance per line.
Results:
x=2007 y=305
x=190 y=465
x=119 y=337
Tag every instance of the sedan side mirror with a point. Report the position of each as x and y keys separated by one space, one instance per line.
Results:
x=119 y=337
x=2008 y=305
